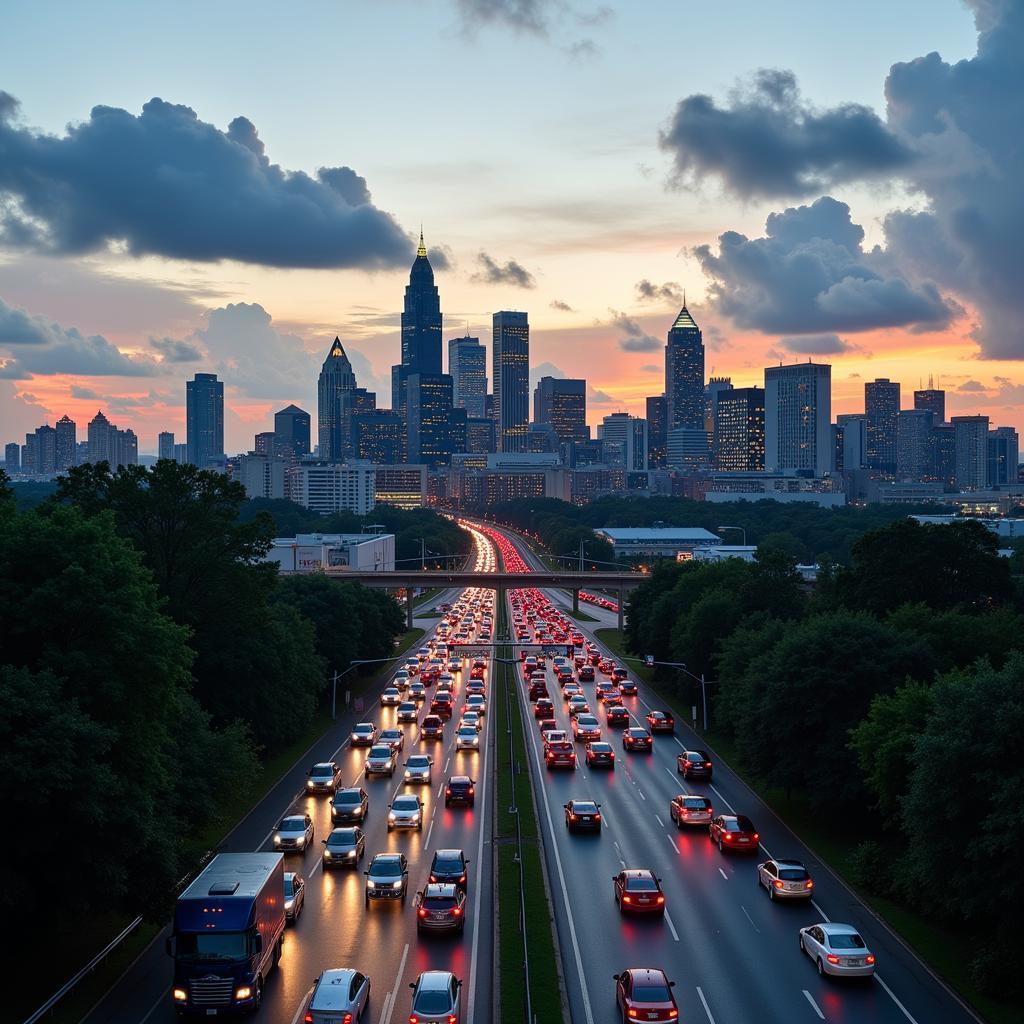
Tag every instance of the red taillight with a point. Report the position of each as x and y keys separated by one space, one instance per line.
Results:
x=462 y=879
x=661 y=899
x=448 y=791
x=627 y=899
x=597 y=817
x=707 y=764
x=471 y=790
x=672 y=1014
x=777 y=884
x=347 y=1019
x=308 y=1018
x=457 y=911
x=870 y=958
x=809 y=884
x=413 y=1019
x=832 y=958
x=572 y=817
x=755 y=837
x=728 y=837
x=421 y=912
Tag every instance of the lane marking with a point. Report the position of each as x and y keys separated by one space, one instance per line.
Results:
x=704 y=1003
x=659 y=821
x=389 y=1001
x=724 y=801
x=302 y=1004
x=641 y=792
x=892 y=996
x=160 y=1002
x=824 y=916
x=671 y=926
x=672 y=843
x=316 y=867
x=723 y=874
x=750 y=919
x=814 y=1005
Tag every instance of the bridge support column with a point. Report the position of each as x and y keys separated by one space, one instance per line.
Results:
x=575 y=600
x=408 y=606
x=622 y=619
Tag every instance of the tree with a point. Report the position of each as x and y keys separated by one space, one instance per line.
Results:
x=958 y=638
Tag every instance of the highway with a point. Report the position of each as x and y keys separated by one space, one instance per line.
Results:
x=733 y=953
x=335 y=929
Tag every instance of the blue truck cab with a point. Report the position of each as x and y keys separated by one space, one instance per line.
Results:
x=228 y=930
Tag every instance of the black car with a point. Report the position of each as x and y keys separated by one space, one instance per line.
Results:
x=442 y=908
x=449 y=866
x=461 y=789
x=694 y=764
x=582 y=814
x=637 y=739
x=350 y=806
x=600 y=755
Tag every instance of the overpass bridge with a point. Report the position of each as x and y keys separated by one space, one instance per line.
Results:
x=619 y=583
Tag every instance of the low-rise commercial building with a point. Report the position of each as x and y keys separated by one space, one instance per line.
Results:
x=317 y=552
x=331 y=487
x=657 y=542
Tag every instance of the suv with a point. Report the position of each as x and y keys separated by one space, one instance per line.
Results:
x=694 y=764
x=449 y=866
x=460 y=790
x=442 y=909
x=380 y=760
x=387 y=878
x=733 y=832
x=432 y=728
x=349 y=805
x=436 y=998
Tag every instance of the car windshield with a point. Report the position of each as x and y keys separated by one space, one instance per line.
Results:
x=651 y=992
x=391 y=734
x=584 y=807
x=390 y=868
x=322 y=771
x=637 y=733
x=468 y=730
x=792 y=874
x=405 y=803
x=342 y=837
x=846 y=940
x=289 y=888
x=694 y=758
x=347 y=798
x=292 y=824
x=210 y=946
x=432 y=1002
x=744 y=823
x=380 y=751
x=363 y=728
x=642 y=885
x=586 y=720
x=419 y=761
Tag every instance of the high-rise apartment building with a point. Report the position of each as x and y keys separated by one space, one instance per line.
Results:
x=629 y=436
x=882 y=407
x=932 y=400
x=42 y=449
x=380 y=437
x=714 y=387
x=336 y=383
x=854 y=426
x=561 y=404
x=1003 y=456
x=915 y=449
x=510 y=366
x=108 y=444
x=798 y=418
x=971 y=438
x=327 y=488
x=421 y=328
x=12 y=458
x=165 y=445
x=292 y=431
x=480 y=435
x=204 y=419
x=467 y=366
x=265 y=443
x=429 y=418
x=657 y=416
x=684 y=373
x=67 y=443
x=739 y=429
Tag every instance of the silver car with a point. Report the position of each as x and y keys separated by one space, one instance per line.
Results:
x=785 y=879
x=294 y=895
x=339 y=994
x=418 y=692
x=344 y=848
x=293 y=832
x=442 y=908
x=380 y=760
x=477 y=702
x=838 y=950
x=418 y=768
x=467 y=738
x=405 y=811
x=407 y=711
x=323 y=777
x=436 y=998
x=394 y=738
x=387 y=878
x=391 y=695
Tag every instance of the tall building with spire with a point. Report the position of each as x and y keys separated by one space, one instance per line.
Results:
x=335 y=389
x=684 y=373
x=421 y=328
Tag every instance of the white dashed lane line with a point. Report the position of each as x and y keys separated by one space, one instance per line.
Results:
x=704 y=1003
x=750 y=919
x=814 y=1005
x=723 y=874
x=659 y=821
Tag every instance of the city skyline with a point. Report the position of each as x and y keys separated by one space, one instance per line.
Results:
x=598 y=267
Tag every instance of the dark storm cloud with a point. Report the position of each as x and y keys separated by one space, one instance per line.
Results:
x=168 y=184
x=513 y=273
x=670 y=292
x=810 y=275
x=767 y=141
x=816 y=345
x=635 y=338
x=441 y=257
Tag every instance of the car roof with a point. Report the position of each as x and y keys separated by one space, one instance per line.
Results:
x=364 y=725
x=325 y=764
x=332 y=989
x=649 y=974
x=836 y=928
x=638 y=873
x=460 y=780
x=346 y=831
x=439 y=889
x=786 y=862
x=435 y=980
x=387 y=857
x=448 y=854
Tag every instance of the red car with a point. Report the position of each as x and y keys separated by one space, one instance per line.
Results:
x=661 y=721
x=560 y=754
x=616 y=716
x=734 y=832
x=544 y=708
x=637 y=739
x=442 y=704
x=606 y=665
x=627 y=687
x=478 y=670
x=638 y=890
x=612 y=698
x=645 y=993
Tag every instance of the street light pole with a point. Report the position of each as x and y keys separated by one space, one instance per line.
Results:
x=681 y=665
x=351 y=668
x=741 y=529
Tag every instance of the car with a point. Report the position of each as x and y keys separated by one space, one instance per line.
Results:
x=546 y=725
x=442 y=908
x=293 y=832
x=394 y=738
x=645 y=993
x=451 y=866
x=785 y=880
x=475 y=686
x=638 y=891
x=460 y=789
x=690 y=809
x=432 y=728
x=418 y=692
x=600 y=755
x=294 y=895
x=412 y=666
x=544 y=708
x=418 y=768
x=628 y=688
x=585 y=727
x=323 y=777
x=477 y=702
x=572 y=690
x=616 y=717
x=442 y=704
x=454 y=665
x=695 y=764
x=612 y=699
x=344 y=847
x=387 y=878
x=606 y=665
x=471 y=718
x=582 y=815
x=349 y=805
x=423 y=654
x=405 y=811
x=585 y=674
x=467 y=737
x=553 y=736
x=734 y=832
x=604 y=687
x=339 y=994
x=837 y=950
x=380 y=760
x=407 y=711
x=538 y=688
x=635 y=738
x=478 y=670
x=364 y=734
x=579 y=705
x=660 y=721
x=392 y=695
x=436 y=998
x=618 y=672
x=560 y=754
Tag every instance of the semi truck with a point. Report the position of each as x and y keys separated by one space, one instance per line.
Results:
x=227 y=935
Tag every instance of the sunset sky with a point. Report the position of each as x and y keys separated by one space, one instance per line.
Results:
x=224 y=187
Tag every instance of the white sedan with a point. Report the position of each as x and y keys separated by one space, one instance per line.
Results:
x=837 y=949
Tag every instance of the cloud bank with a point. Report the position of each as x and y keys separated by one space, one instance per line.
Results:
x=512 y=272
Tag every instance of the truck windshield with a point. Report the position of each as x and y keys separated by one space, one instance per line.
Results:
x=213 y=946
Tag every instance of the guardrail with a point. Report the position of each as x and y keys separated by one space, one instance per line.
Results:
x=90 y=966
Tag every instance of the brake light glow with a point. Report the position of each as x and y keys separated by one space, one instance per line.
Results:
x=809 y=884
x=457 y=911
x=627 y=899
x=870 y=958
x=347 y=1019
x=707 y=764
x=728 y=837
x=308 y=1018
x=777 y=883
x=597 y=817
x=832 y=958
x=421 y=912
x=661 y=899
x=755 y=837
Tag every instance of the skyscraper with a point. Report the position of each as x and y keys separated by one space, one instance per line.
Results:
x=429 y=416
x=798 y=418
x=334 y=388
x=854 y=426
x=380 y=437
x=165 y=445
x=657 y=415
x=971 y=440
x=67 y=443
x=714 y=387
x=204 y=419
x=100 y=442
x=561 y=403
x=882 y=407
x=291 y=430
x=933 y=400
x=915 y=450
x=12 y=458
x=629 y=436
x=467 y=366
x=684 y=373
x=510 y=366
x=421 y=328
x=739 y=429
x=1003 y=456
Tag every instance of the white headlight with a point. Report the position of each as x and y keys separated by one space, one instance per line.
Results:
x=396 y=885
x=277 y=840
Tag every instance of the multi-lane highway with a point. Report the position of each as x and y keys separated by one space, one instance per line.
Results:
x=733 y=953
x=335 y=929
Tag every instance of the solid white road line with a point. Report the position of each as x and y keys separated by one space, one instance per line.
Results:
x=671 y=926
x=814 y=1005
x=723 y=874
x=704 y=1003
x=892 y=996
x=389 y=1000
x=160 y=1002
x=750 y=919
x=824 y=916
x=474 y=959
x=724 y=801
x=302 y=1003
